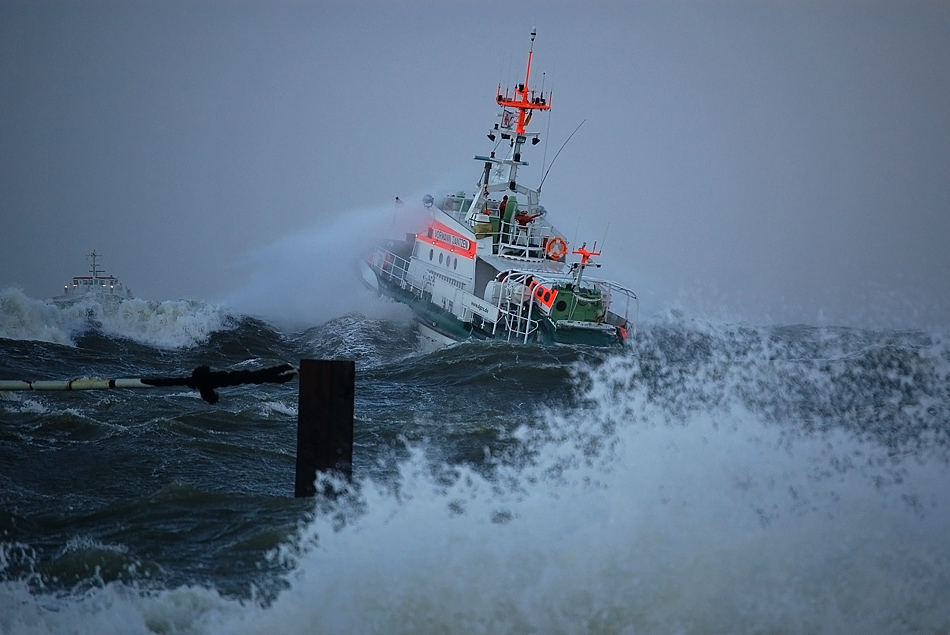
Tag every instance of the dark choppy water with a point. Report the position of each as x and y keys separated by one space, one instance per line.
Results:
x=713 y=478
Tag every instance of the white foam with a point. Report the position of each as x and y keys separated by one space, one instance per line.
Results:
x=15 y=402
x=712 y=526
x=278 y=410
x=114 y=609
x=624 y=521
x=23 y=318
x=169 y=324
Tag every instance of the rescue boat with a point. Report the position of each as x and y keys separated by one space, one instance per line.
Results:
x=490 y=265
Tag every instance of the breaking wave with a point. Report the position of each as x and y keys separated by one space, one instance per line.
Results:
x=170 y=324
x=717 y=478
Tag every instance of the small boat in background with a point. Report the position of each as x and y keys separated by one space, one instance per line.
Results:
x=96 y=284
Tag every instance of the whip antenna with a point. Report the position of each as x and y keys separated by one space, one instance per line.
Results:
x=604 y=241
x=547 y=135
x=558 y=153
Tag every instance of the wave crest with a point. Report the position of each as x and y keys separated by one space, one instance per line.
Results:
x=170 y=324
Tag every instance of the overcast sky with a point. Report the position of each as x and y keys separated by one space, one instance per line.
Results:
x=769 y=161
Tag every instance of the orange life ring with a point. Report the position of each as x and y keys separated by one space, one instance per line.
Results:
x=556 y=248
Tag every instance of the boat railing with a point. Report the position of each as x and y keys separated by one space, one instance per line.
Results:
x=516 y=307
x=620 y=300
x=395 y=268
x=620 y=295
x=519 y=325
x=517 y=312
x=511 y=238
x=392 y=266
x=529 y=240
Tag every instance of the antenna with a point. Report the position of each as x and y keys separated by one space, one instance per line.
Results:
x=547 y=133
x=522 y=99
x=396 y=205
x=558 y=153
x=93 y=269
x=518 y=105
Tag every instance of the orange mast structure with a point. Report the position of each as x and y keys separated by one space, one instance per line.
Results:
x=578 y=267
x=524 y=100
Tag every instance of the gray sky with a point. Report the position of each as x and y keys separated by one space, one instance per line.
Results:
x=766 y=161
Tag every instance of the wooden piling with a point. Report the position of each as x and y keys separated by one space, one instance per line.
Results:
x=324 y=421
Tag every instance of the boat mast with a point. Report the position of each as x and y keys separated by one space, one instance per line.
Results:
x=578 y=267
x=525 y=102
x=93 y=269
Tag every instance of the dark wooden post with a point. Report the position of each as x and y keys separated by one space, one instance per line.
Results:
x=324 y=421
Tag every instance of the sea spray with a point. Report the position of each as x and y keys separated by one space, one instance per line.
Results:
x=24 y=318
x=719 y=523
x=714 y=478
x=311 y=276
x=169 y=324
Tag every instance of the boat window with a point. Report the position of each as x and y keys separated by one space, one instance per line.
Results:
x=440 y=257
x=431 y=254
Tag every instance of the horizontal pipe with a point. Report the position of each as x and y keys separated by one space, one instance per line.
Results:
x=73 y=384
x=202 y=379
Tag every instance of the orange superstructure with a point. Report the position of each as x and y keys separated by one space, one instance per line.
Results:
x=585 y=254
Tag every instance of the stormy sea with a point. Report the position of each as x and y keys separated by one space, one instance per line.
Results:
x=711 y=477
